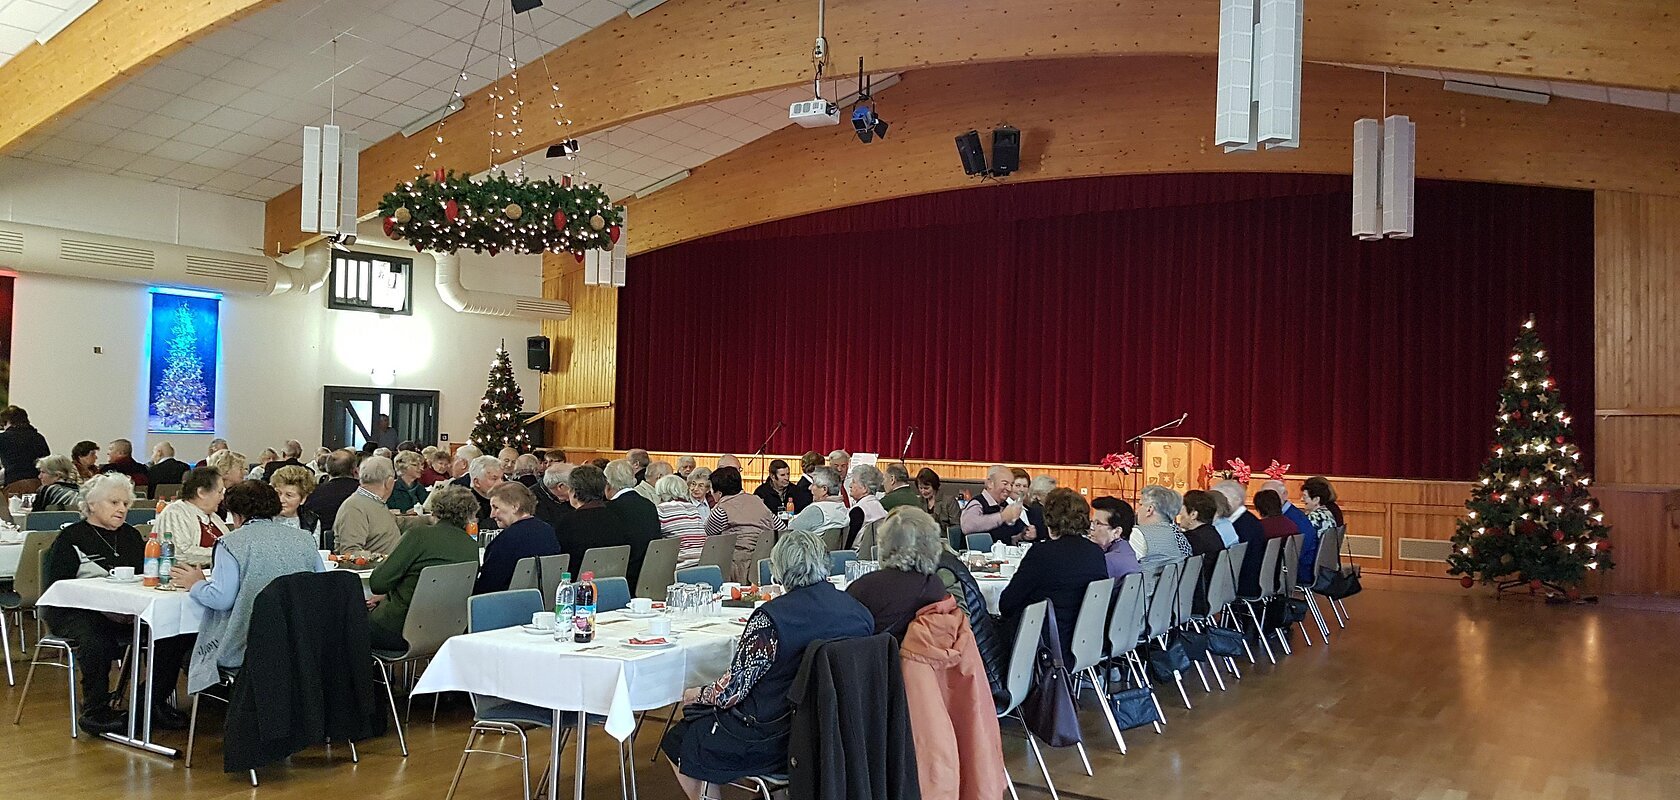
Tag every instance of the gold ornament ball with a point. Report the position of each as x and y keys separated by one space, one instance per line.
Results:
x=513 y=211
x=597 y=222
x=402 y=214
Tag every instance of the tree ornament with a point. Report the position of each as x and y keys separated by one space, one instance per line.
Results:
x=438 y=175
x=1467 y=581
x=513 y=211
x=597 y=222
x=390 y=226
x=579 y=256
x=1557 y=536
x=614 y=232
x=565 y=180
x=402 y=214
x=451 y=209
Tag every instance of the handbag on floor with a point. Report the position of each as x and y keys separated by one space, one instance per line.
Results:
x=1164 y=662
x=1224 y=642
x=1341 y=582
x=1133 y=708
x=1195 y=643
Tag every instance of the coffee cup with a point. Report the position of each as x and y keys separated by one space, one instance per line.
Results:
x=659 y=626
x=543 y=620
x=641 y=605
x=123 y=573
x=1006 y=570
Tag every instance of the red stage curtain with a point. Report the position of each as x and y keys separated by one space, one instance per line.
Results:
x=1048 y=322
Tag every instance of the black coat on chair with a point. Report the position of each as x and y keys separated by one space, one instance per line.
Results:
x=851 y=735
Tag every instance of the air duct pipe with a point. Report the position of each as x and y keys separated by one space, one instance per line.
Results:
x=494 y=304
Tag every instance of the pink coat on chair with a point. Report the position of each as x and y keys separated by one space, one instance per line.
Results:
x=959 y=753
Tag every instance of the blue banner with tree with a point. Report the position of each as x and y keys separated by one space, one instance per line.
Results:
x=184 y=342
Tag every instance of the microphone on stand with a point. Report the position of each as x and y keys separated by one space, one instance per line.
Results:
x=1163 y=426
x=906 y=451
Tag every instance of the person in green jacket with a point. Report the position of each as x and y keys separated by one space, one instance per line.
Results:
x=900 y=491
x=409 y=492
x=394 y=580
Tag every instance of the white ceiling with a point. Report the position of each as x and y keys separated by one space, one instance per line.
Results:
x=21 y=21
x=1636 y=98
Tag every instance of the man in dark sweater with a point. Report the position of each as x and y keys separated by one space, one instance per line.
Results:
x=122 y=461
x=341 y=483
x=291 y=454
x=641 y=519
x=165 y=468
x=591 y=524
x=20 y=447
x=554 y=496
x=775 y=490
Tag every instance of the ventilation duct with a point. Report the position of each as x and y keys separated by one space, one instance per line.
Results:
x=494 y=304
x=307 y=268
x=53 y=251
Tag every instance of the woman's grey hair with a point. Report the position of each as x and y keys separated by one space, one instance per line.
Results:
x=116 y=483
x=799 y=559
x=526 y=464
x=700 y=474
x=556 y=474
x=58 y=466
x=1167 y=502
x=908 y=540
x=1233 y=493
x=827 y=478
x=620 y=474
x=268 y=454
x=1040 y=487
x=382 y=452
x=671 y=488
x=868 y=477
x=455 y=505
x=377 y=469
x=406 y=459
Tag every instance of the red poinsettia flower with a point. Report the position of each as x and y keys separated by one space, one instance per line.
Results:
x=1122 y=463
x=1276 y=471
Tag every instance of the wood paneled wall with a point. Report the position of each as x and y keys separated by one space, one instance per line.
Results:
x=585 y=353
x=1637 y=319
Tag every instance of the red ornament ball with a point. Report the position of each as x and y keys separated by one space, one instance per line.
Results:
x=1604 y=545
x=451 y=209
x=492 y=249
x=614 y=232
x=438 y=175
x=1560 y=440
x=1467 y=581
x=578 y=256
x=560 y=220
x=565 y=180
x=1557 y=536
x=390 y=225
x=1535 y=585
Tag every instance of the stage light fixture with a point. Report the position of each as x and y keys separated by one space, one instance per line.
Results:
x=565 y=149
x=868 y=125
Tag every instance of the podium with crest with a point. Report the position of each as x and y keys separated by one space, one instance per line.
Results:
x=1175 y=462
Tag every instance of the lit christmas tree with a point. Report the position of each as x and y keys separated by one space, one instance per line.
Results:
x=1531 y=518
x=498 y=423
x=182 y=401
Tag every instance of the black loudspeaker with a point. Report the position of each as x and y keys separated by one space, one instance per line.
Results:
x=537 y=355
x=1006 y=150
x=973 y=158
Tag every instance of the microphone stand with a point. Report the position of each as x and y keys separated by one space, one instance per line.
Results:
x=758 y=455
x=906 y=451
x=1138 y=440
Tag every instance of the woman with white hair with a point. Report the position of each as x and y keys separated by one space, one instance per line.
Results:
x=864 y=485
x=266 y=457
x=59 y=490
x=700 y=488
x=1157 y=512
x=730 y=733
x=906 y=581
x=681 y=519
x=527 y=470
x=825 y=510
x=94 y=548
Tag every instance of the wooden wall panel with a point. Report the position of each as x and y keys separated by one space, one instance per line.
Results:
x=1637 y=316
x=585 y=349
x=1112 y=116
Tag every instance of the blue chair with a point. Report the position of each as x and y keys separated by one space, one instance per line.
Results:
x=979 y=541
x=705 y=573
x=838 y=560
x=52 y=520
x=764 y=576
x=497 y=610
x=954 y=536
x=612 y=594
x=140 y=516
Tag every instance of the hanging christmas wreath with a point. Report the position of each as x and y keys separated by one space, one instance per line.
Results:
x=450 y=212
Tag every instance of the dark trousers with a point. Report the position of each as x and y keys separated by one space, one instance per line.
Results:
x=382 y=639
x=100 y=641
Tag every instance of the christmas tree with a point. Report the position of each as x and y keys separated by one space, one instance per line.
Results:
x=1531 y=518
x=498 y=424
x=182 y=399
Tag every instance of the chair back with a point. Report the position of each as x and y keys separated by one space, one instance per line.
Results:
x=166 y=491
x=865 y=544
x=838 y=560
x=1088 y=626
x=978 y=541
x=1329 y=550
x=1163 y=598
x=1125 y=625
x=762 y=548
x=1269 y=567
x=145 y=529
x=1291 y=564
x=702 y=573
x=764 y=576
x=659 y=568
x=1238 y=551
x=32 y=565
x=718 y=551
x=833 y=538
x=550 y=569
x=53 y=520
x=1018 y=679
x=140 y=516
x=498 y=610
x=612 y=594
x=439 y=608
x=524 y=574
x=955 y=538
x=1187 y=583
x=1222 y=586
x=606 y=562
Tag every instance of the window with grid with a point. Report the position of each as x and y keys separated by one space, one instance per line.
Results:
x=365 y=282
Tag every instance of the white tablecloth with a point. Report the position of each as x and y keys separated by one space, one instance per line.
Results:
x=602 y=677
x=168 y=613
x=10 y=554
x=992 y=588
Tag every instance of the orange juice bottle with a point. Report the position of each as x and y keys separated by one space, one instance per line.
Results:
x=472 y=528
x=154 y=555
x=160 y=504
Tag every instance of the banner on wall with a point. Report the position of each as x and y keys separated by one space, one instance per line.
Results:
x=185 y=339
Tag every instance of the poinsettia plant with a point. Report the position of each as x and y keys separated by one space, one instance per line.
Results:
x=1120 y=463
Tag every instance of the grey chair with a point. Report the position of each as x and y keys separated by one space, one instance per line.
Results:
x=833 y=538
x=1161 y=585
x=27 y=584
x=761 y=551
x=718 y=551
x=1088 y=649
x=1221 y=592
x=63 y=649
x=979 y=541
x=865 y=542
x=1256 y=604
x=524 y=574
x=1290 y=582
x=166 y=491
x=765 y=577
x=606 y=562
x=1185 y=616
x=494 y=611
x=550 y=571
x=659 y=568
x=437 y=612
x=1125 y=632
x=1018 y=678
x=1330 y=546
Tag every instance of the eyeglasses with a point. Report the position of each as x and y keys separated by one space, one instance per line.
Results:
x=1095 y=525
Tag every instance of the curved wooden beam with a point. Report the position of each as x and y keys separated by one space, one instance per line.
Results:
x=114 y=39
x=1140 y=115
x=693 y=51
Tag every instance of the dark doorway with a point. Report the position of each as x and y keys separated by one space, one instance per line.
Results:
x=348 y=415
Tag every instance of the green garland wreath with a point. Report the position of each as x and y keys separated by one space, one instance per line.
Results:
x=450 y=212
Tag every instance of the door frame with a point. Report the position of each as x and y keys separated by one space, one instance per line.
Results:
x=327 y=409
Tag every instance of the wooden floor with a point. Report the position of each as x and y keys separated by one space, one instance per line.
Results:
x=1428 y=695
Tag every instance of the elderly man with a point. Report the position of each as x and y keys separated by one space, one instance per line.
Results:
x=639 y=461
x=1157 y=511
x=507 y=456
x=841 y=461
x=993 y=511
x=215 y=445
x=728 y=460
x=591 y=524
x=554 y=496
x=364 y=526
x=685 y=467
x=801 y=492
x=122 y=461
x=165 y=468
x=641 y=519
x=655 y=471
x=331 y=493
x=462 y=464
x=1309 y=534
x=291 y=454
x=1249 y=529
x=775 y=490
x=900 y=491
x=484 y=475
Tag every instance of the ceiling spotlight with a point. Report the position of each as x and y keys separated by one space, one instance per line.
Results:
x=565 y=149
x=868 y=125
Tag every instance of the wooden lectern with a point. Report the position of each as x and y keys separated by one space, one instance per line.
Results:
x=1175 y=461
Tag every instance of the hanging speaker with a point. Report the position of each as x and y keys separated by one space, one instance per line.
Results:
x=537 y=354
x=973 y=158
x=1006 y=150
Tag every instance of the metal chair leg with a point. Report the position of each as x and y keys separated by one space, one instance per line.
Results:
x=1009 y=780
x=1342 y=607
x=192 y=731
x=6 y=650
x=396 y=719
x=355 y=758
x=1141 y=675
x=1261 y=631
x=461 y=766
x=1043 y=767
x=1113 y=724
x=1213 y=664
x=253 y=778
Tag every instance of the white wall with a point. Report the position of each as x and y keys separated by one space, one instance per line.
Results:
x=277 y=352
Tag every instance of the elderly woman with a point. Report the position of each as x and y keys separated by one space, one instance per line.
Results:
x=527 y=469
x=1111 y=529
x=714 y=742
x=1058 y=568
x=1157 y=512
x=86 y=456
x=190 y=523
x=825 y=510
x=944 y=512
x=266 y=457
x=743 y=515
x=1034 y=506
x=1319 y=499
x=394 y=580
x=92 y=548
x=257 y=551
x=437 y=467
x=409 y=492
x=864 y=486
x=294 y=484
x=523 y=536
x=681 y=519
x=700 y=488
x=229 y=463
x=905 y=582
x=60 y=488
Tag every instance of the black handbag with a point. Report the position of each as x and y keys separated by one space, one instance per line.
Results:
x=1133 y=708
x=1195 y=643
x=1224 y=642
x=1294 y=610
x=1048 y=710
x=1337 y=583
x=1164 y=663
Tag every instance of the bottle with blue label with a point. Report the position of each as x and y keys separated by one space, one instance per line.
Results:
x=166 y=562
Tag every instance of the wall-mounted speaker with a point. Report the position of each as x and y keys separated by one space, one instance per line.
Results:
x=1006 y=150
x=537 y=354
x=973 y=158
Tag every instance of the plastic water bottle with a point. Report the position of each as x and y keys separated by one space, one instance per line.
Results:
x=565 y=603
x=166 y=562
x=583 y=610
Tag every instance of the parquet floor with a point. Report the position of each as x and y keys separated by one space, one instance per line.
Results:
x=1428 y=696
